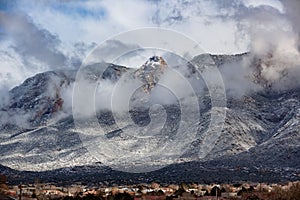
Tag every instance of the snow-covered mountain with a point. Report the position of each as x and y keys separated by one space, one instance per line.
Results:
x=38 y=133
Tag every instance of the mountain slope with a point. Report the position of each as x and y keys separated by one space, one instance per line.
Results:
x=261 y=128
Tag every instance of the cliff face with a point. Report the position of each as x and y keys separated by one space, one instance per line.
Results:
x=150 y=72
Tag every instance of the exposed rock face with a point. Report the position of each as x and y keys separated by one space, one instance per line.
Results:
x=150 y=72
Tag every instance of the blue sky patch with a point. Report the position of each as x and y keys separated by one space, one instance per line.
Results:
x=76 y=9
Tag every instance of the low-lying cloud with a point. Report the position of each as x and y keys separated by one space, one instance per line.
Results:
x=268 y=30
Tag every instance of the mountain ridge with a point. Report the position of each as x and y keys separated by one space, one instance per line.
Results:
x=259 y=129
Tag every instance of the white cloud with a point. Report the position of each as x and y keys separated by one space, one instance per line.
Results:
x=60 y=26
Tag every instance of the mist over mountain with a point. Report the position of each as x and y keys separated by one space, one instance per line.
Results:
x=76 y=93
x=260 y=128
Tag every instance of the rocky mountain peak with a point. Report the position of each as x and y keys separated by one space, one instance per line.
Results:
x=154 y=62
x=150 y=72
